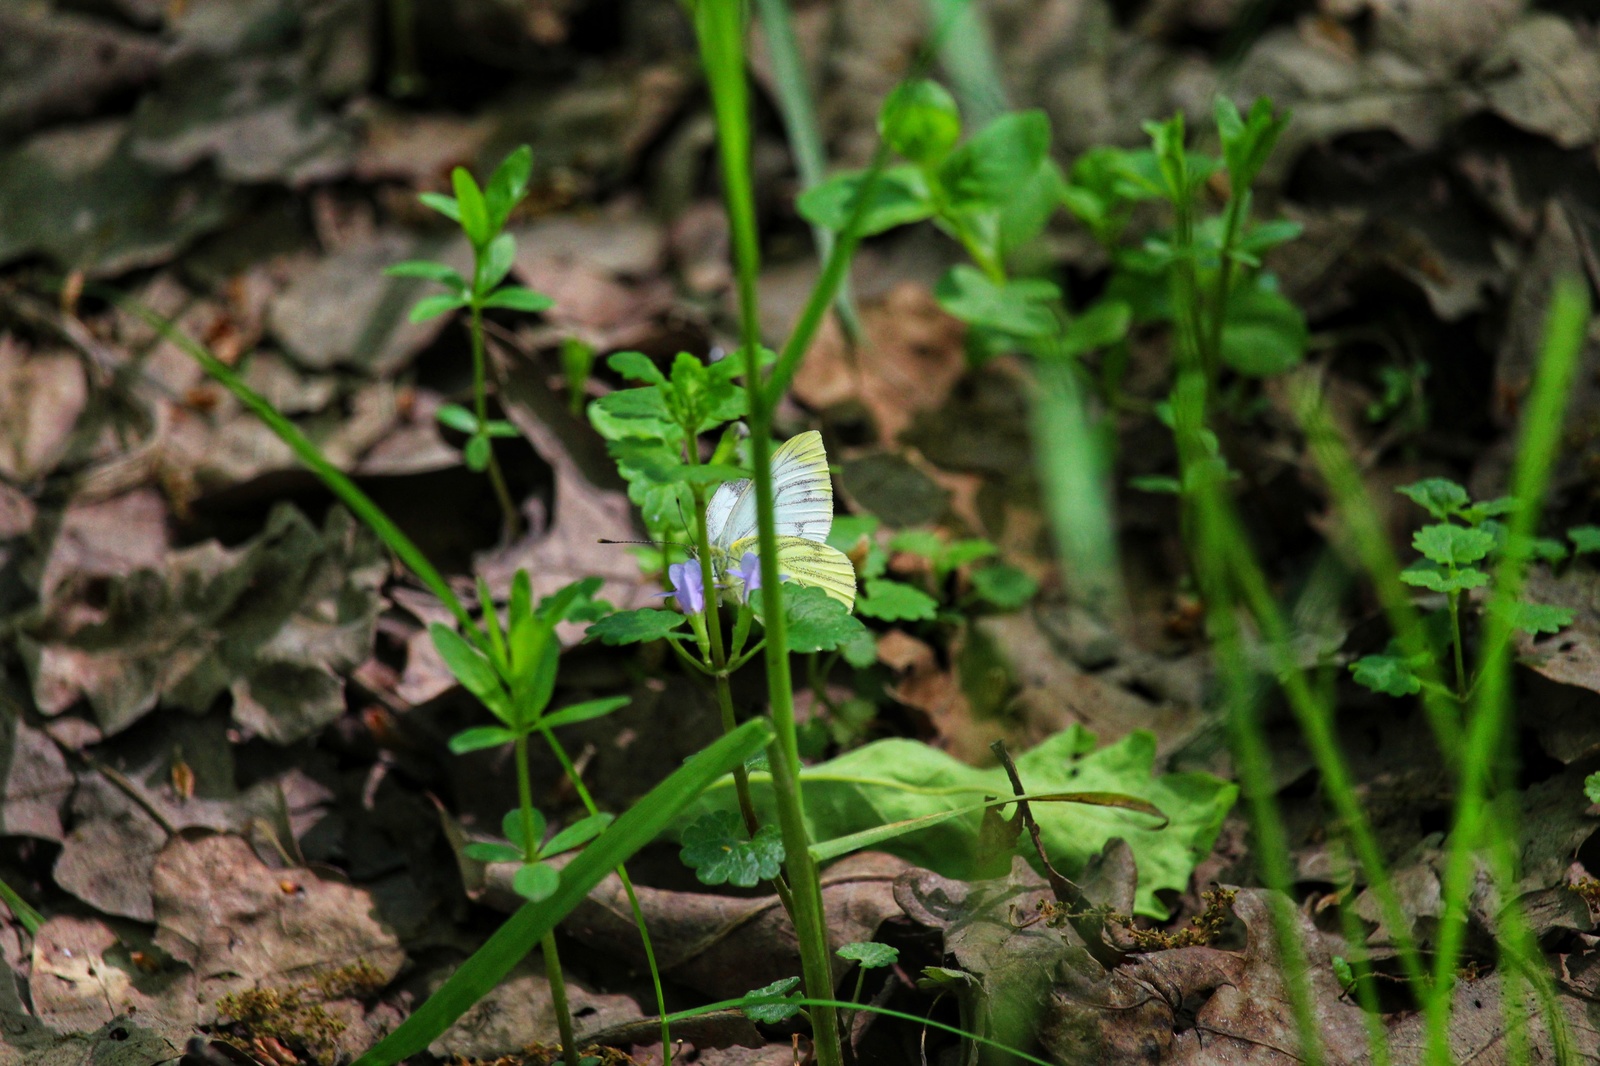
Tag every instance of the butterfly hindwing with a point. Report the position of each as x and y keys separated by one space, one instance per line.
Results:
x=806 y=562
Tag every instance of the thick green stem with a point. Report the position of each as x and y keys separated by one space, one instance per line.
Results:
x=480 y=408
x=552 y=960
x=720 y=28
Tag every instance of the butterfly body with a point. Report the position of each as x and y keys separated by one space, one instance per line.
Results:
x=802 y=496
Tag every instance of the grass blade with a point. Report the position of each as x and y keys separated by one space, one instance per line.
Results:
x=524 y=929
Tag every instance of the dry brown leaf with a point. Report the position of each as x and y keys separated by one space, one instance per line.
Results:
x=85 y=976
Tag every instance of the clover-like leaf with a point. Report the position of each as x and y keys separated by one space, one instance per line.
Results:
x=869 y=954
x=511 y=828
x=895 y=601
x=1439 y=496
x=635 y=627
x=773 y=1013
x=716 y=849
x=1387 y=674
x=1451 y=545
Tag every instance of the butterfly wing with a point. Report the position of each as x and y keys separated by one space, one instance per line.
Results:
x=731 y=514
x=806 y=562
x=802 y=491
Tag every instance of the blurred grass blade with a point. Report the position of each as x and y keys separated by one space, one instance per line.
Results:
x=966 y=51
x=642 y=823
x=308 y=453
x=1485 y=754
x=20 y=910
x=805 y=135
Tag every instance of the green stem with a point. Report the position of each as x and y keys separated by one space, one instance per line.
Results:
x=720 y=30
x=1455 y=639
x=587 y=800
x=552 y=960
x=480 y=407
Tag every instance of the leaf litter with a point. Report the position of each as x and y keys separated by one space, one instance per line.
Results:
x=148 y=652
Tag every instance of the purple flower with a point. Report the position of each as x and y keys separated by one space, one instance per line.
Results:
x=688 y=586
x=749 y=574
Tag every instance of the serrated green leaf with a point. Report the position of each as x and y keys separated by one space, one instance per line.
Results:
x=635 y=627
x=1443 y=580
x=1004 y=586
x=1540 y=618
x=1451 y=545
x=895 y=780
x=816 y=621
x=920 y=542
x=961 y=552
x=518 y=298
x=1585 y=539
x=861 y=650
x=870 y=954
x=895 y=601
x=774 y=1013
x=480 y=737
x=1591 y=787
x=1025 y=307
x=716 y=849
x=636 y=366
x=1439 y=496
x=1387 y=674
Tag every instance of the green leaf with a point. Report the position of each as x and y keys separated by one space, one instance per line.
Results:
x=1247 y=141
x=1591 y=787
x=428 y=270
x=861 y=650
x=1387 y=674
x=583 y=712
x=635 y=627
x=1263 y=333
x=634 y=413
x=847 y=535
x=1585 y=539
x=1025 y=307
x=517 y=298
x=636 y=366
x=1156 y=483
x=1444 y=581
x=1439 y=496
x=499 y=427
x=899 y=197
x=1451 y=545
x=1540 y=618
x=997 y=161
x=893 y=780
x=457 y=418
x=920 y=542
x=536 y=882
x=511 y=828
x=484 y=851
x=816 y=621
x=1101 y=325
x=774 y=1013
x=477 y=453
x=436 y=305
x=716 y=849
x=469 y=666
x=495 y=264
x=533 y=921
x=919 y=119
x=895 y=601
x=507 y=185
x=870 y=954
x=445 y=205
x=480 y=737
x=577 y=834
x=961 y=552
x=1004 y=586
x=474 y=214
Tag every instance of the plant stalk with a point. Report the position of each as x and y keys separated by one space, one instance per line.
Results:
x=480 y=408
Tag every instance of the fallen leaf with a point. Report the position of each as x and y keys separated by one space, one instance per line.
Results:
x=1545 y=77
x=519 y=1009
x=84 y=976
x=41 y=396
x=34 y=781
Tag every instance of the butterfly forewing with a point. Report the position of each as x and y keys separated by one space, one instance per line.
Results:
x=731 y=514
x=802 y=491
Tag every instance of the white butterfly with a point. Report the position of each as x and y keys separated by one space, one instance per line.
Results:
x=803 y=505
